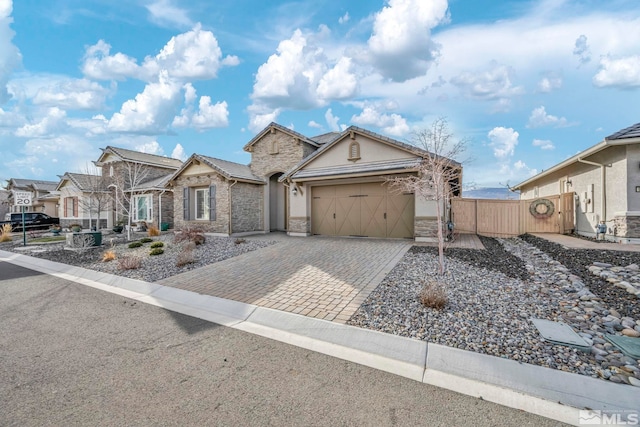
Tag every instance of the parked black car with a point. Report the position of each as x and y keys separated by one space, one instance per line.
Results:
x=32 y=221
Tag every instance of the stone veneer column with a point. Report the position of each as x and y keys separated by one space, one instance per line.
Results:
x=627 y=226
x=426 y=227
x=300 y=224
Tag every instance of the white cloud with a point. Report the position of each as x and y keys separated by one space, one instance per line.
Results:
x=10 y=57
x=539 y=118
x=314 y=124
x=492 y=84
x=549 y=82
x=392 y=124
x=210 y=116
x=47 y=126
x=151 y=111
x=10 y=118
x=260 y=116
x=338 y=83
x=503 y=141
x=581 y=50
x=151 y=147
x=165 y=13
x=344 y=18
x=80 y=94
x=402 y=35
x=178 y=153
x=544 y=144
x=100 y=65
x=622 y=73
x=191 y=55
x=332 y=121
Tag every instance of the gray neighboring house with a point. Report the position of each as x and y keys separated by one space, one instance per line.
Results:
x=44 y=195
x=142 y=177
x=84 y=200
x=4 y=203
x=606 y=181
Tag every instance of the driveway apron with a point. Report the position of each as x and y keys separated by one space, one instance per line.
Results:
x=321 y=277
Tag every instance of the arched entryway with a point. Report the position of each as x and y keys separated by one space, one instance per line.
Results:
x=277 y=204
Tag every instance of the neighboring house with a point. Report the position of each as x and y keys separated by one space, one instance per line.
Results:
x=333 y=184
x=44 y=196
x=4 y=204
x=84 y=200
x=139 y=178
x=606 y=182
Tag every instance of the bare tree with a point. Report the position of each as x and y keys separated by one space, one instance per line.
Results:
x=126 y=183
x=439 y=175
x=96 y=196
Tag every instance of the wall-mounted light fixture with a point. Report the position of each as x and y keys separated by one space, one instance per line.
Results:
x=569 y=183
x=295 y=191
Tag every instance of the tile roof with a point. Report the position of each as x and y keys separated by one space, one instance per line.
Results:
x=138 y=157
x=231 y=169
x=325 y=137
x=36 y=184
x=357 y=169
x=282 y=129
x=85 y=182
x=630 y=132
x=158 y=183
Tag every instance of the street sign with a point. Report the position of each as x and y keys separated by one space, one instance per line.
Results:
x=22 y=198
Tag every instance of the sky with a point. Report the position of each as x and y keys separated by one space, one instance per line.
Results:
x=526 y=83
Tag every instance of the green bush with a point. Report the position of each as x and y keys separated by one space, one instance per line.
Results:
x=146 y=240
x=157 y=244
x=156 y=251
x=135 y=245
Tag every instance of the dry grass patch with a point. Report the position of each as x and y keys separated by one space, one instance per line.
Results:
x=186 y=255
x=433 y=295
x=153 y=231
x=129 y=263
x=108 y=256
x=5 y=233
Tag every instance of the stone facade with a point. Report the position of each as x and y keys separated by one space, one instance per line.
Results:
x=300 y=224
x=627 y=226
x=426 y=227
x=246 y=207
x=221 y=223
x=277 y=152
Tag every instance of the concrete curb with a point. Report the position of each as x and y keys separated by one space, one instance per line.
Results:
x=542 y=391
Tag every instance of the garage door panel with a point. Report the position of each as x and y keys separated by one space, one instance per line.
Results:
x=365 y=209
x=372 y=216
x=400 y=215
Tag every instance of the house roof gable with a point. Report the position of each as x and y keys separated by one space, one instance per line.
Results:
x=139 y=157
x=274 y=126
x=227 y=169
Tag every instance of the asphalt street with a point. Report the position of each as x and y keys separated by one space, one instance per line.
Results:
x=73 y=355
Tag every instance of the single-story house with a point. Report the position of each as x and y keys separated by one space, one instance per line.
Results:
x=333 y=184
x=138 y=184
x=606 y=181
x=84 y=199
x=44 y=195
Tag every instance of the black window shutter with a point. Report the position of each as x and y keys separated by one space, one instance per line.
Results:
x=185 y=203
x=212 y=203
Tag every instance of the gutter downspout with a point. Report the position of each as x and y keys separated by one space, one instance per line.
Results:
x=603 y=183
x=235 y=181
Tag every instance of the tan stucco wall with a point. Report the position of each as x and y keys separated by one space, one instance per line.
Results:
x=633 y=177
x=371 y=151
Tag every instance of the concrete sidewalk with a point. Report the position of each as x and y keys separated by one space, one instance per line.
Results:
x=550 y=393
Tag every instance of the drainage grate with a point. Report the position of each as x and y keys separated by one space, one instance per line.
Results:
x=628 y=345
x=560 y=333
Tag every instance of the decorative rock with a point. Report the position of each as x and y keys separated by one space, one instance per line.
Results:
x=630 y=333
x=634 y=381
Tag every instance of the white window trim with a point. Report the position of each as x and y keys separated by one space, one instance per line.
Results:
x=205 y=192
x=134 y=200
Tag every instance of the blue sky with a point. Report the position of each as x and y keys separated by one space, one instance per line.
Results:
x=528 y=83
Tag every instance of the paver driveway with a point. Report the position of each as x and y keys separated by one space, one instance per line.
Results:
x=322 y=277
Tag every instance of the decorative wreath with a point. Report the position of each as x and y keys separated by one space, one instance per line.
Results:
x=541 y=208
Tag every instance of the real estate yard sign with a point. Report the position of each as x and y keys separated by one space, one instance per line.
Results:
x=22 y=199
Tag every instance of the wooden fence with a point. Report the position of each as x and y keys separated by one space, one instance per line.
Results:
x=508 y=218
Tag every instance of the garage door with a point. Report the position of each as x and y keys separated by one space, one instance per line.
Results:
x=367 y=209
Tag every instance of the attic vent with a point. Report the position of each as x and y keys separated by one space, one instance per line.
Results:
x=273 y=148
x=354 y=151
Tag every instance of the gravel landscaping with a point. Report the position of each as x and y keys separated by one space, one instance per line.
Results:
x=493 y=294
x=152 y=267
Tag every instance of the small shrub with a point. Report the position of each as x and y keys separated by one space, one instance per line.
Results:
x=5 y=233
x=146 y=240
x=153 y=230
x=129 y=263
x=186 y=255
x=156 y=251
x=239 y=241
x=433 y=295
x=190 y=233
x=135 y=245
x=157 y=245
x=108 y=256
